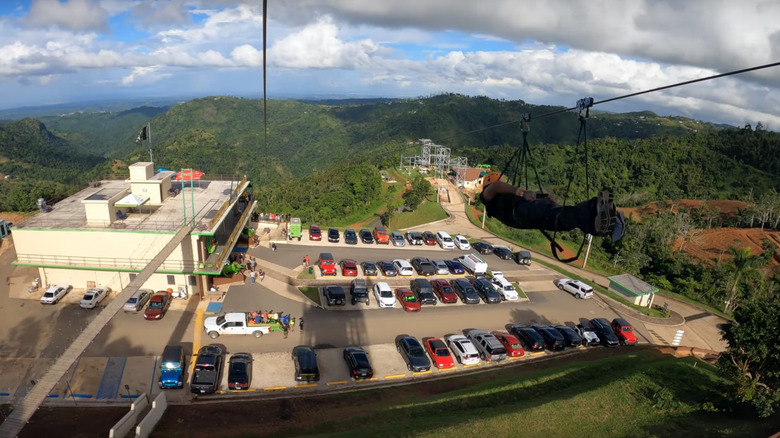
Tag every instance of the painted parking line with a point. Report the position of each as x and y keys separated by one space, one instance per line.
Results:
x=306 y=385
x=373 y=379
x=339 y=382
x=395 y=376
x=274 y=388
x=446 y=369
x=538 y=353
x=420 y=373
x=471 y=366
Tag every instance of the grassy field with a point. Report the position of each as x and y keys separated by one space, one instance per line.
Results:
x=427 y=212
x=311 y=293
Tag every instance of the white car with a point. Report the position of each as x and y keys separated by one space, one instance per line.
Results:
x=444 y=240
x=384 y=294
x=462 y=243
x=465 y=351
x=504 y=286
x=577 y=288
x=55 y=293
x=404 y=268
x=93 y=297
x=441 y=267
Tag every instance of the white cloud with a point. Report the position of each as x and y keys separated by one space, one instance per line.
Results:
x=77 y=15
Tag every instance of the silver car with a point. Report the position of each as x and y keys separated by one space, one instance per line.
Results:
x=441 y=267
x=93 y=297
x=397 y=238
x=138 y=300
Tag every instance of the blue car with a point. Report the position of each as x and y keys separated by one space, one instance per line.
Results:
x=455 y=267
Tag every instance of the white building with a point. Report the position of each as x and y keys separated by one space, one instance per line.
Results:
x=107 y=233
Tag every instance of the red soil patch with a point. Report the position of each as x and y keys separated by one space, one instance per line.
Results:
x=712 y=244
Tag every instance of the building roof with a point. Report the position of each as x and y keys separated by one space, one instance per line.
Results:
x=472 y=174
x=631 y=284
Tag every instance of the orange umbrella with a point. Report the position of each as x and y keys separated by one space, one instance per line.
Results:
x=188 y=174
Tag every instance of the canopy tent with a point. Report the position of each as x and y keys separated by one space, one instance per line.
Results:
x=189 y=174
x=131 y=200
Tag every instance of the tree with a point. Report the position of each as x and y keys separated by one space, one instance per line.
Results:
x=743 y=266
x=752 y=360
x=421 y=188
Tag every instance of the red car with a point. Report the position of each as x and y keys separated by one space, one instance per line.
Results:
x=624 y=331
x=429 y=238
x=408 y=300
x=315 y=233
x=348 y=268
x=158 y=305
x=514 y=348
x=444 y=291
x=327 y=264
x=440 y=355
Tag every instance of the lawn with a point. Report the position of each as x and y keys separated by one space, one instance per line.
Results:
x=425 y=213
x=311 y=293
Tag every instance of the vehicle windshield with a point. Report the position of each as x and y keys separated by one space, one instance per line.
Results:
x=626 y=329
x=361 y=360
x=170 y=365
x=88 y=297
x=220 y=319
x=386 y=294
x=446 y=239
x=132 y=300
x=48 y=294
x=446 y=290
x=416 y=351
x=238 y=367
x=156 y=305
x=516 y=346
x=442 y=352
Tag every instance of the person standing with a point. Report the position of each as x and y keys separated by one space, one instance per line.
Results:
x=306 y=260
x=292 y=324
x=252 y=276
x=300 y=323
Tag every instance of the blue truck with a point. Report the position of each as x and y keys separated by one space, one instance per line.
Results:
x=172 y=367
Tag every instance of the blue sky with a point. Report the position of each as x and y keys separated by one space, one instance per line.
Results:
x=540 y=51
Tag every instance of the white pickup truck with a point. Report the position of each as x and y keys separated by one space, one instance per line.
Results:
x=503 y=286
x=237 y=323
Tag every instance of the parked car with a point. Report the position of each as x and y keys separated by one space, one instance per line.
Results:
x=137 y=301
x=503 y=286
x=327 y=264
x=503 y=252
x=92 y=297
x=172 y=365
x=423 y=266
x=462 y=243
x=414 y=238
x=350 y=237
x=444 y=240
x=334 y=295
x=523 y=257
x=207 y=370
x=486 y=290
x=588 y=333
x=482 y=247
x=366 y=237
x=552 y=338
x=408 y=300
x=440 y=355
x=429 y=238
x=387 y=268
x=465 y=291
x=570 y=336
x=514 y=348
x=403 y=267
x=305 y=362
x=577 y=288
x=158 y=305
x=384 y=295
x=456 y=267
x=490 y=349
x=397 y=238
x=441 y=267
x=358 y=290
x=530 y=338
x=348 y=268
x=444 y=291
x=464 y=350
x=424 y=291
x=369 y=269
x=315 y=233
x=333 y=235
x=358 y=363
x=624 y=331
x=240 y=371
x=380 y=235
x=604 y=330
x=412 y=353
x=54 y=294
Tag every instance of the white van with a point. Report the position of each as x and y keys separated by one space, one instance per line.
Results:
x=444 y=240
x=474 y=264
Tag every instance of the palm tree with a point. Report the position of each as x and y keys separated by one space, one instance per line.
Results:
x=743 y=266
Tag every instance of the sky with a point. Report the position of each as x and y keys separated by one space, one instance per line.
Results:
x=551 y=52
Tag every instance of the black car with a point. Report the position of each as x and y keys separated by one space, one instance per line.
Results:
x=350 y=237
x=414 y=238
x=358 y=290
x=388 y=268
x=570 y=336
x=333 y=235
x=424 y=291
x=240 y=371
x=604 y=329
x=455 y=267
x=465 y=291
x=530 y=338
x=482 y=247
x=423 y=266
x=503 y=252
x=334 y=295
x=207 y=370
x=413 y=353
x=305 y=360
x=366 y=236
x=369 y=269
x=357 y=361
x=553 y=339
x=486 y=290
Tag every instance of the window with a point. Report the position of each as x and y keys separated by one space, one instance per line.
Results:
x=192 y=280
x=171 y=279
x=132 y=276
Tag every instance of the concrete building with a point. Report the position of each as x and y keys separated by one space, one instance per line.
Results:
x=633 y=289
x=107 y=233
